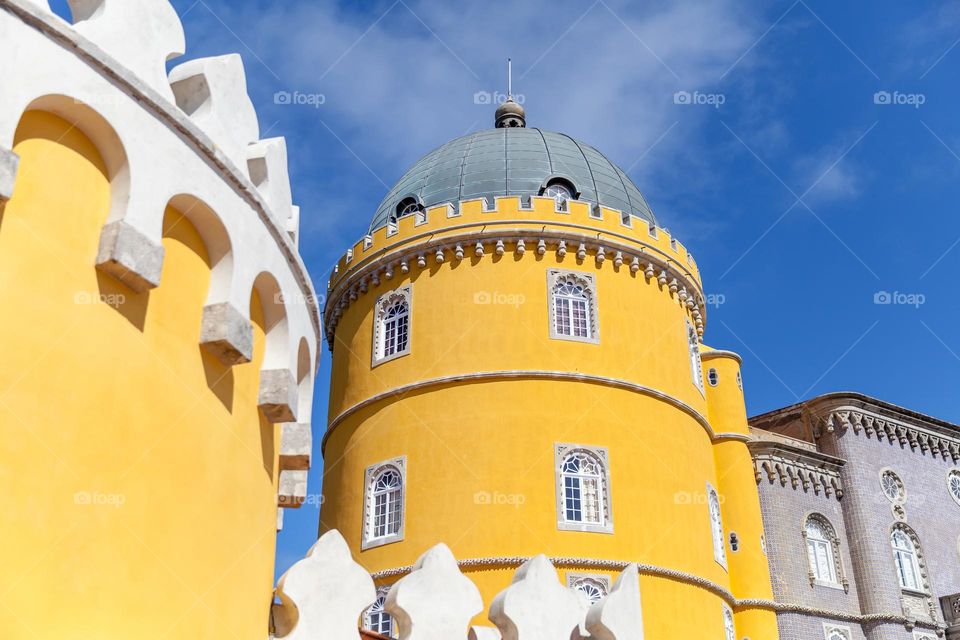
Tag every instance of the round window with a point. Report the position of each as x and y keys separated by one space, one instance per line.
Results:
x=560 y=192
x=953 y=484
x=892 y=486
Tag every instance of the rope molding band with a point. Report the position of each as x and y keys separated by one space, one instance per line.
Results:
x=532 y=374
x=682 y=576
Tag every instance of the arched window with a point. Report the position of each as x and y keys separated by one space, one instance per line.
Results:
x=392 y=326
x=407 y=207
x=594 y=588
x=953 y=484
x=572 y=306
x=836 y=633
x=561 y=191
x=383 y=503
x=716 y=526
x=696 y=366
x=583 y=500
x=729 y=628
x=822 y=550
x=906 y=557
x=375 y=618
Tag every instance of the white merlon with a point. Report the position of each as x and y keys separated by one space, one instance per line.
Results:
x=278 y=395
x=536 y=606
x=142 y=35
x=9 y=163
x=296 y=445
x=292 y=489
x=226 y=334
x=619 y=615
x=323 y=595
x=434 y=601
x=213 y=92
x=267 y=166
x=130 y=256
x=478 y=632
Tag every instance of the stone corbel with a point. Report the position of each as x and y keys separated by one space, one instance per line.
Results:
x=278 y=395
x=9 y=163
x=292 y=489
x=130 y=256
x=226 y=334
x=296 y=446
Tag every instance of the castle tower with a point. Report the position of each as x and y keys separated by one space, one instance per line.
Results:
x=517 y=369
x=159 y=338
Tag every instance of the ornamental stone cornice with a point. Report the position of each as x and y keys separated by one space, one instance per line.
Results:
x=786 y=461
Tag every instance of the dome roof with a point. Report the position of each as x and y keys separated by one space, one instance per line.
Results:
x=512 y=162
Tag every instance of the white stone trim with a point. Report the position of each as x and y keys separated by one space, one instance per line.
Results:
x=830 y=628
x=9 y=163
x=950 y=474
x=602 y=456
x=716 y=527
x=729 y=632
x=533 y=374
x=367 y=540
x=833 y=539
x=404 y=293
x=589 y=283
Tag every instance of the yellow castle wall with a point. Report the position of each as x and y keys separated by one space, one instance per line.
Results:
x=139 y=477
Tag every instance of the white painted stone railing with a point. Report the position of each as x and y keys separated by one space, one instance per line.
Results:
x=323 y=596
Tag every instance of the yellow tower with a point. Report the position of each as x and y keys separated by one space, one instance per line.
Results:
x=517 y=369
x=159 y=337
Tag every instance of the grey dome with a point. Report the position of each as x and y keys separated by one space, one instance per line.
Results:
x=512 y=162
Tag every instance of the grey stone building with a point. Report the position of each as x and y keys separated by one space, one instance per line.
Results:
x=861 y=508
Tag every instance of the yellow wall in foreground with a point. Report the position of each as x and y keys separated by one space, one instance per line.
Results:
x=138 y=475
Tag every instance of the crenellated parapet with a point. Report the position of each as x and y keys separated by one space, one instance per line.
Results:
x=188 y=140
x=471 y=230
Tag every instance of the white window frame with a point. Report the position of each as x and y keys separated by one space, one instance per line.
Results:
x=384 y=617
x=829 y=542
x=555 y=277
x=901 y=496
x=601 y=457
x=601 y=582
x=696 y=362
x=729 y=623
x=372 y=473
x=913 y=556
x=405 y=295
x=953 y=473
x=716 y=526
x=830 y=629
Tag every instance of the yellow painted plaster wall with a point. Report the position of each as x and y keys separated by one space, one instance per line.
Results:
x=139 y=478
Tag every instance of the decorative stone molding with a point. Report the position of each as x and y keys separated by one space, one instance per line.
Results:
x=917 y=438
x=296 y=446
x=278 y=395
x=292 y=488
x=800 y=468
x=917 y=604
x=343 y=288
x=226 y=333
x=323 y=595
x=370 y=476
x=950 y=606
x=434 y=601
x=831 y=537
x=486 y=376
x=130 y=256
x=599 y=456
x=557 y=278
x=9 y=163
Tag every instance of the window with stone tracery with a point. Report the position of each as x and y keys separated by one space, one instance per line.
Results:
x=595 y=588
x=822 y=551
x=376 y=618
x=573 y=308
x=716 y=526
x=391 y=337
x=906 y=556
x=384 y=503
x=583 y=490
x=696 y=365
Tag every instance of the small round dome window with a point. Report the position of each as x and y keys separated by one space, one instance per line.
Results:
x=560 y=191
x=407 y=206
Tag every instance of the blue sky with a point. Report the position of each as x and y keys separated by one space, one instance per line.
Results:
x=802 y=192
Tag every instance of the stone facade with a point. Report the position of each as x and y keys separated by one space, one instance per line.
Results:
x=856 y=439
